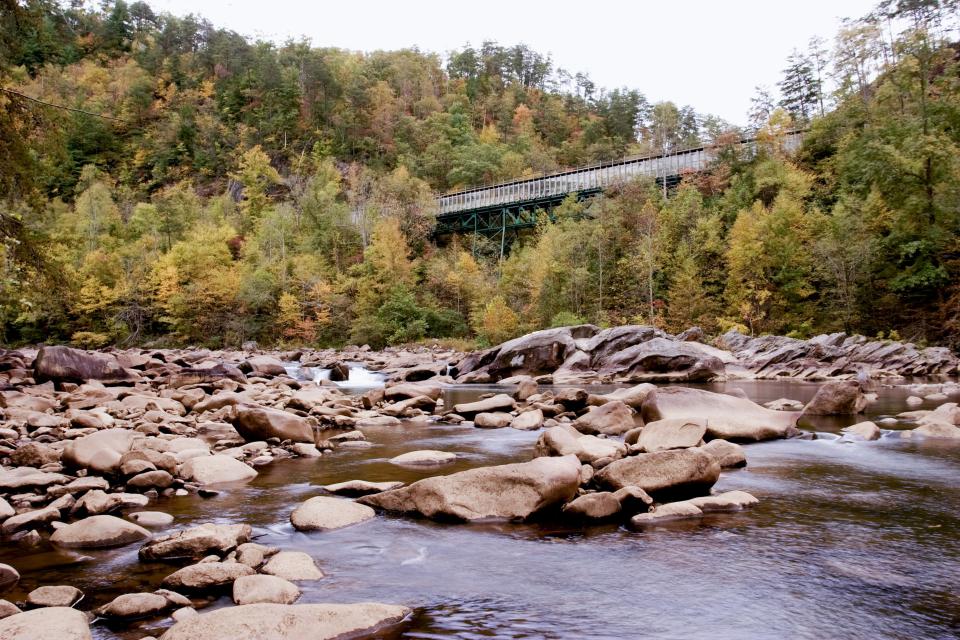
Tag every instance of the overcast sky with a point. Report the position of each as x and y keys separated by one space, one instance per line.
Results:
x=709 y=54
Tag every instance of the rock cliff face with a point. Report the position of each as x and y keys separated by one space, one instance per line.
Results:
x=836 y=355
x=634 y=353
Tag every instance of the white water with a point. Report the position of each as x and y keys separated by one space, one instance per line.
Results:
x=358 y=378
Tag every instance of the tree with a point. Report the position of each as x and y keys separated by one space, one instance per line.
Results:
x=496 y=322
x=799 y=87
x=255 y=174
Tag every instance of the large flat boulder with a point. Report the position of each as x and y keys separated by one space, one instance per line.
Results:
x=206 y=575
x=197 y=542
x=499 y=402
x=322 y=513
x=97 y=532
x=727 y=417
x=663 y=360
x=264 y=588
x=510 y=491
x=218 y=469
x=672 y=433
x=101 y=451
x=46 y=623
x=289 y=622
x=260 y=423
x=292 y=565
x=131 y=606
x=27 y=477
x=674 y=472
x=64 y=364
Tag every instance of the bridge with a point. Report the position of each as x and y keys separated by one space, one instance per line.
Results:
x=498 y=209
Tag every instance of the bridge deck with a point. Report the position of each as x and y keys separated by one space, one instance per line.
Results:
x=588 y=179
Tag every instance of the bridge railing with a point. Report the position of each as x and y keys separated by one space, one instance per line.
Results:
x=592 y=177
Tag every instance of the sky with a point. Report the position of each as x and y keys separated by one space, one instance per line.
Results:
x=708 y=54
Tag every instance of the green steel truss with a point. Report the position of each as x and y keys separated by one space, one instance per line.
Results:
x=503 y=222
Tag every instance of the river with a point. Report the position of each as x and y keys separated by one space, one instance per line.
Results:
x=849 y=541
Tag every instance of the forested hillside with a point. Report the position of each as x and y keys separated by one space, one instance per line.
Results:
x=162 y=180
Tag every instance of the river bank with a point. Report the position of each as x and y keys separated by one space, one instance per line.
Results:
x=113 y=462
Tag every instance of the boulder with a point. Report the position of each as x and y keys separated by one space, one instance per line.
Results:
x=633 y=499
x=354 y=488
x=528 y=420
x=533 y=354
x=150 y=480
x=98 y=531
x=593 y=506
x=564 y=440
x=526 y=387
x=8 y=577
x=424 y=458
x=929 y=429
x=664 y=473
x=206 y=575
x=497 y=420
x=511 y=491
x=633 y=396
x=407 y=390
x=784 y=404
x=216 y=469
x=289 y=622
x=264 y=588
x=499 y=402
x=292 y=565
x=197 y=542
x=612 y=418
x=727 y=454
x=101 y=451
x=151 y=518
x=663 y=360
x=672 y=433
x=133 y=606
x=96 y=502
x=64 y=364
x=138 y=460
x=726 y=417
x=667 y=512
x=609 y=341
x=47 y=623
x=210 y=374
x=260 y=423
x=264 y=366
x=34 y=454
x=842 y=397
x=30 y=519
x=728 y=501
x=8 y=609
x=28 y=477
x=54 y=596
x=324 y=514
x=862 y=431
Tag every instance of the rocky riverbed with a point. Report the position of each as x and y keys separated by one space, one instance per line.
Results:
x=98 y=447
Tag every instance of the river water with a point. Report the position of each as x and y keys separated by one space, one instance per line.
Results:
x=850 y=540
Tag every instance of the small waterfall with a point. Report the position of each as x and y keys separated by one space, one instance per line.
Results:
x=358 y=378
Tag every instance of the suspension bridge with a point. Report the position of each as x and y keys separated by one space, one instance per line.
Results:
x=498 y=210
